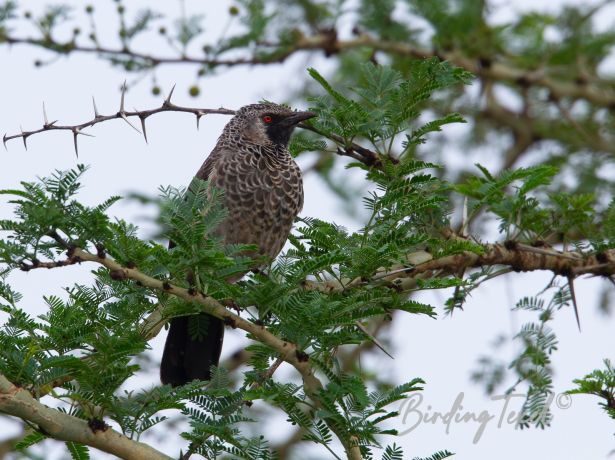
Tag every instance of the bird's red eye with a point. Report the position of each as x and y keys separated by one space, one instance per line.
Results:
x=267 y=119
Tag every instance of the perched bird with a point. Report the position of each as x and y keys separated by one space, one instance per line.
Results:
x=263 y=193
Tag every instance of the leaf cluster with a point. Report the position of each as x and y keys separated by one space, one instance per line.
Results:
x=601 y=383
x=83 y=348
x=387 y=104
x=316 y=296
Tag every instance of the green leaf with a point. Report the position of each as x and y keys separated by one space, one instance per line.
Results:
x=78 y=451
x=441 y=455
x=30 y=440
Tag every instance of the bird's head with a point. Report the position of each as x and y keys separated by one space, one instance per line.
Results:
x=266 y=124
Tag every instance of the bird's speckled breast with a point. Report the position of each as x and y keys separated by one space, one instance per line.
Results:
x=263 y=194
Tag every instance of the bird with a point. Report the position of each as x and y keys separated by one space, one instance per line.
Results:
x=263 y=194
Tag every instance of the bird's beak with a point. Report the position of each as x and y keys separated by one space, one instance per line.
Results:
x=297 y=118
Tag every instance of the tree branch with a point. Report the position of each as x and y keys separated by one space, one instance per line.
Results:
x=167 y=106
x=421 y=265
x=517 y=256
x=287 y=351
x=328 y=43
x=20 y=403
x=352 y=150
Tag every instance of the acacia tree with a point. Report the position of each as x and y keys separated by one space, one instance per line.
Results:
x=391 y=86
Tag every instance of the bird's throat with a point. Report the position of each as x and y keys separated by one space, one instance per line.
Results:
x=279 y=134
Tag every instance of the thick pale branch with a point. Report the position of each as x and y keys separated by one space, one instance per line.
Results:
x=20 y=403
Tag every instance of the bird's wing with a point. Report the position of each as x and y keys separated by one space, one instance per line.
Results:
x=208 y=165
x=205 y=170
x=186 y=357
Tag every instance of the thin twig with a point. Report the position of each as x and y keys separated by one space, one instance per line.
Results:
x=167 y=106
x=328 y=42
x=353 y=150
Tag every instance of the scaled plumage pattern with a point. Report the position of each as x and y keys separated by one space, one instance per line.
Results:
x=263 y=193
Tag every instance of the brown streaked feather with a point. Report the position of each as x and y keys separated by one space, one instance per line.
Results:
x=263 y=193
x=261 y=203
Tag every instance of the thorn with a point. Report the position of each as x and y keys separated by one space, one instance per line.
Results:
x=198 y=119
x=47 y=125
x=373 y=339
x=23 y=137
x=4 y=139
x=143 y=128
x=574 y=301
x=84 y=134
x=75 y=133
x=45 y=115
x=122 y=98
x=167 y=101
x=125 y=118
x=464 y=216
x=122 y=112
x=96 y=114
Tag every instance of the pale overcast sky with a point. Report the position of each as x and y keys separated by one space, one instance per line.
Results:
x=442 y=352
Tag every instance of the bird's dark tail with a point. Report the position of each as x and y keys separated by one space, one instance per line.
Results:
x=193 y=345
